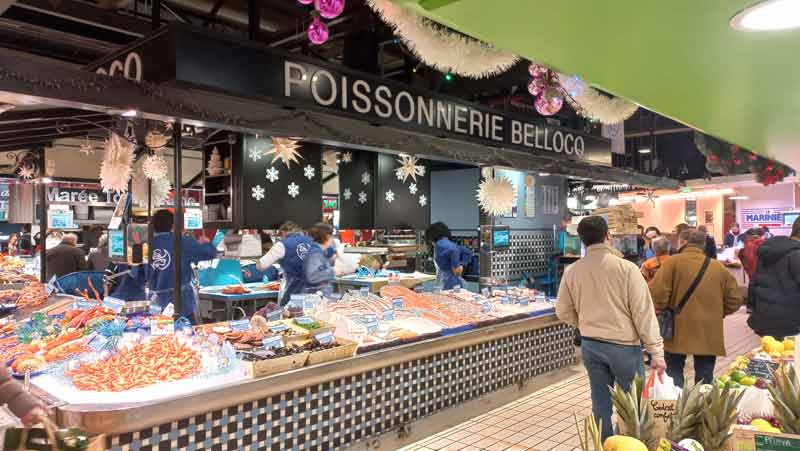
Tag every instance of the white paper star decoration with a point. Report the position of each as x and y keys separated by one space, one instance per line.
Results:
x=309 y=172
x=272 y=174
x=412 y=188
x=293 y=189
x=389 y=196
x=362 y=197
x=159 y=189
x=365 y=178
x=347 y=194
x=284 y=149
x=497 y=196
x=347 y=157
x=154 y=167
x=255 y=153
x=257 y=192
x=423 y=201
x=409 y=168
x=26 y=171
x=115 y=170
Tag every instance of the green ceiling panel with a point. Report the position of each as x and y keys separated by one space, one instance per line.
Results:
x=679 y=58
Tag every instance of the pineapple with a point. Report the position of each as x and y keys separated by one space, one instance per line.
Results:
x=785 y=394
x=636 y=416
x=590 y=434
x=687 y=416
x=718 y=417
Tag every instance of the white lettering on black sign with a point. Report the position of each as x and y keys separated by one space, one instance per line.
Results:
x=131 y=68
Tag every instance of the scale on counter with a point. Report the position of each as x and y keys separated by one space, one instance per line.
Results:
x=496 y=242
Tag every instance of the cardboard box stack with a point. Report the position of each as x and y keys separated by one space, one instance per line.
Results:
x=621 y=219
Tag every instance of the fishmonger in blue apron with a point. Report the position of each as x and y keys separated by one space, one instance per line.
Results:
x=449 y=257
x=290 y=252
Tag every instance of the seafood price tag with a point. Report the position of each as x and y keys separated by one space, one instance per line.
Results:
x=364 y=291
x=505 y=300
x=486 y=307
x=371 y=322
x=278 y=328
x=274 y=342
x=98 y=342
x=524 y=302
x=162 y=326
x=114 y=304
x=51 y=285
x=419 y=289
x=324 y=338
x=485 y=292
x=84 y=305
x=456 y=288
x=239 y=325
x=388 y=315
x=397 y=302
x=303 y=320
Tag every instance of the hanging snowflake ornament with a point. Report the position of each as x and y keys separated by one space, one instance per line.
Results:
x=257 y=192
x=115 y=169
x=86 y=148
x=362 y=197
x=309 y=172
x=423 y=201
x=347 y=157
x=155 y=139
x=409 y=168
x=389 y=196
x=365 y=178
x=159 y=190
x=154 y=167
x=293 y=189
x=284 y=149
x=497 y=196
x=347 y=194
x=26 y=171
x=255 y=153
x=272 y=174
x=412 y=188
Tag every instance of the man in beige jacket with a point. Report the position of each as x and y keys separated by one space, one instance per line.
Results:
x=607 y=299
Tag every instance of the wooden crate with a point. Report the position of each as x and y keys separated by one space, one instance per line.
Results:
x=344 y=350
x=744 y=439
x=268 y=367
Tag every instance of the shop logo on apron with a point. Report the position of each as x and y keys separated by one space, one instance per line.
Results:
x=161 y=259
x=302 y=250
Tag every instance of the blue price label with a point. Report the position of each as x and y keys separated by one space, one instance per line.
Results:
x=303 y=320
x=334 y=297
x=419 y=289
x=485 y=292
x=98 y=342
x=86 y=305
x=278 y=328
x=155 y=309
x=239 y=324
x=273 y=342
x=397 y=302
x=457 y=288
x=324 y=338
x=506 y=300
x=364 y=291
x=388 y=315
x=524 y=302
x=486 y=307
x=114 y=304
x=51 y=285
x=371 y=322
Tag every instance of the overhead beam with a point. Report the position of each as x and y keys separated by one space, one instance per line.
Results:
x=89 y=14
x=12 y=116
x=24 y=136
x=51 y=125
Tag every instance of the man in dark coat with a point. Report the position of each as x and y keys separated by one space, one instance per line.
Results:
x=774 y=293
x=65 y=258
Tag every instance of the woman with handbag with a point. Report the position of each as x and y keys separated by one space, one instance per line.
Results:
x=692 y=295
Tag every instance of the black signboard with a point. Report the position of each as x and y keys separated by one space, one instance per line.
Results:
x=761 y=368
x=274 y=193
x=224 y=64
x=356 y=189
x=401 y=204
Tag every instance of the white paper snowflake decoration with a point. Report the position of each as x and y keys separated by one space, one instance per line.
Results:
x=497 y=196
x=115 y=170
x=389 y=196
x=365 y=178
x=362 y=197
x=347 y=157
x=159 y=189
x=284 y=149
x=272 y=174
x=257 y=192
x=26 y=171
x=86 y=148
x=409 y=168
x=412 y=188
x=154 y=167
x=255 y=153
x=347 y=194
x=293 y=189
x=309 y=172
x=423 y=201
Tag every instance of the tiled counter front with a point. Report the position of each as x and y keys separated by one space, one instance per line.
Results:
x=330 y=414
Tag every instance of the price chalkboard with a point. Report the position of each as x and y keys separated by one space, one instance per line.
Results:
x=775 y=443
x=761 y=368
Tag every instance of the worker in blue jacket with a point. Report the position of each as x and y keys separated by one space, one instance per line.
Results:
x=290 y=252
x=161 y=278
x=449 y=257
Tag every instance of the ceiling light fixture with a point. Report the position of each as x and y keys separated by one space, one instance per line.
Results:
x=769 y=15
x=130 y=113
x=739 y=197
x=645 y=150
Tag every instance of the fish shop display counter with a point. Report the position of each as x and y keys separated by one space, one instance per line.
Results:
x=330 y=405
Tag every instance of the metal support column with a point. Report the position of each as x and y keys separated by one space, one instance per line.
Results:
x=177 y=129
x=253 y=19
x=155 y=18
x=42 y=191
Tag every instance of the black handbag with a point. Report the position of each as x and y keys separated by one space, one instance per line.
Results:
x=666 y=317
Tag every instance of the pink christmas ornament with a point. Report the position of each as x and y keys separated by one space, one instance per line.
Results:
x=548 y=106
x=535 y=88
x=329 y=9
x=318 y=31
x=305 y=2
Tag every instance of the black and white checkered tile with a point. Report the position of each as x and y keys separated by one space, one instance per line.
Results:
x=529 y=252
x=332 y=414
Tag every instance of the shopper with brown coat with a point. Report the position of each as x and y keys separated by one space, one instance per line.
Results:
x=699 y=326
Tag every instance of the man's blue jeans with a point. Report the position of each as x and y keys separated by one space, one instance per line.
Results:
x=606 y=364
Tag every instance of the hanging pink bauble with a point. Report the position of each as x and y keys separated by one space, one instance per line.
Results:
x=535 y=88
x=318 y=31
x=329 y=9
x=548 y=106
x=537 y=71
x=305 y=2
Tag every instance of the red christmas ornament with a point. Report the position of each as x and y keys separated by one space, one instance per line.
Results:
x=769 y=167
x=737 y=162
x=779 y=173
x=752 y=157
x=713 y=158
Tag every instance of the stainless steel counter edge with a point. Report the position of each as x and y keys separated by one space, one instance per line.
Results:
x=97 y=419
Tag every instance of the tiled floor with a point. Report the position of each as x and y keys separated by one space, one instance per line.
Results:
x=544 y=421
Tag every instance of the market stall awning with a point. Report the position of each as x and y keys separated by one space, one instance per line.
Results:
x=679 y=58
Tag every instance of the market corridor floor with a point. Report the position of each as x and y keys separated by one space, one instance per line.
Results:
x=544 y=421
